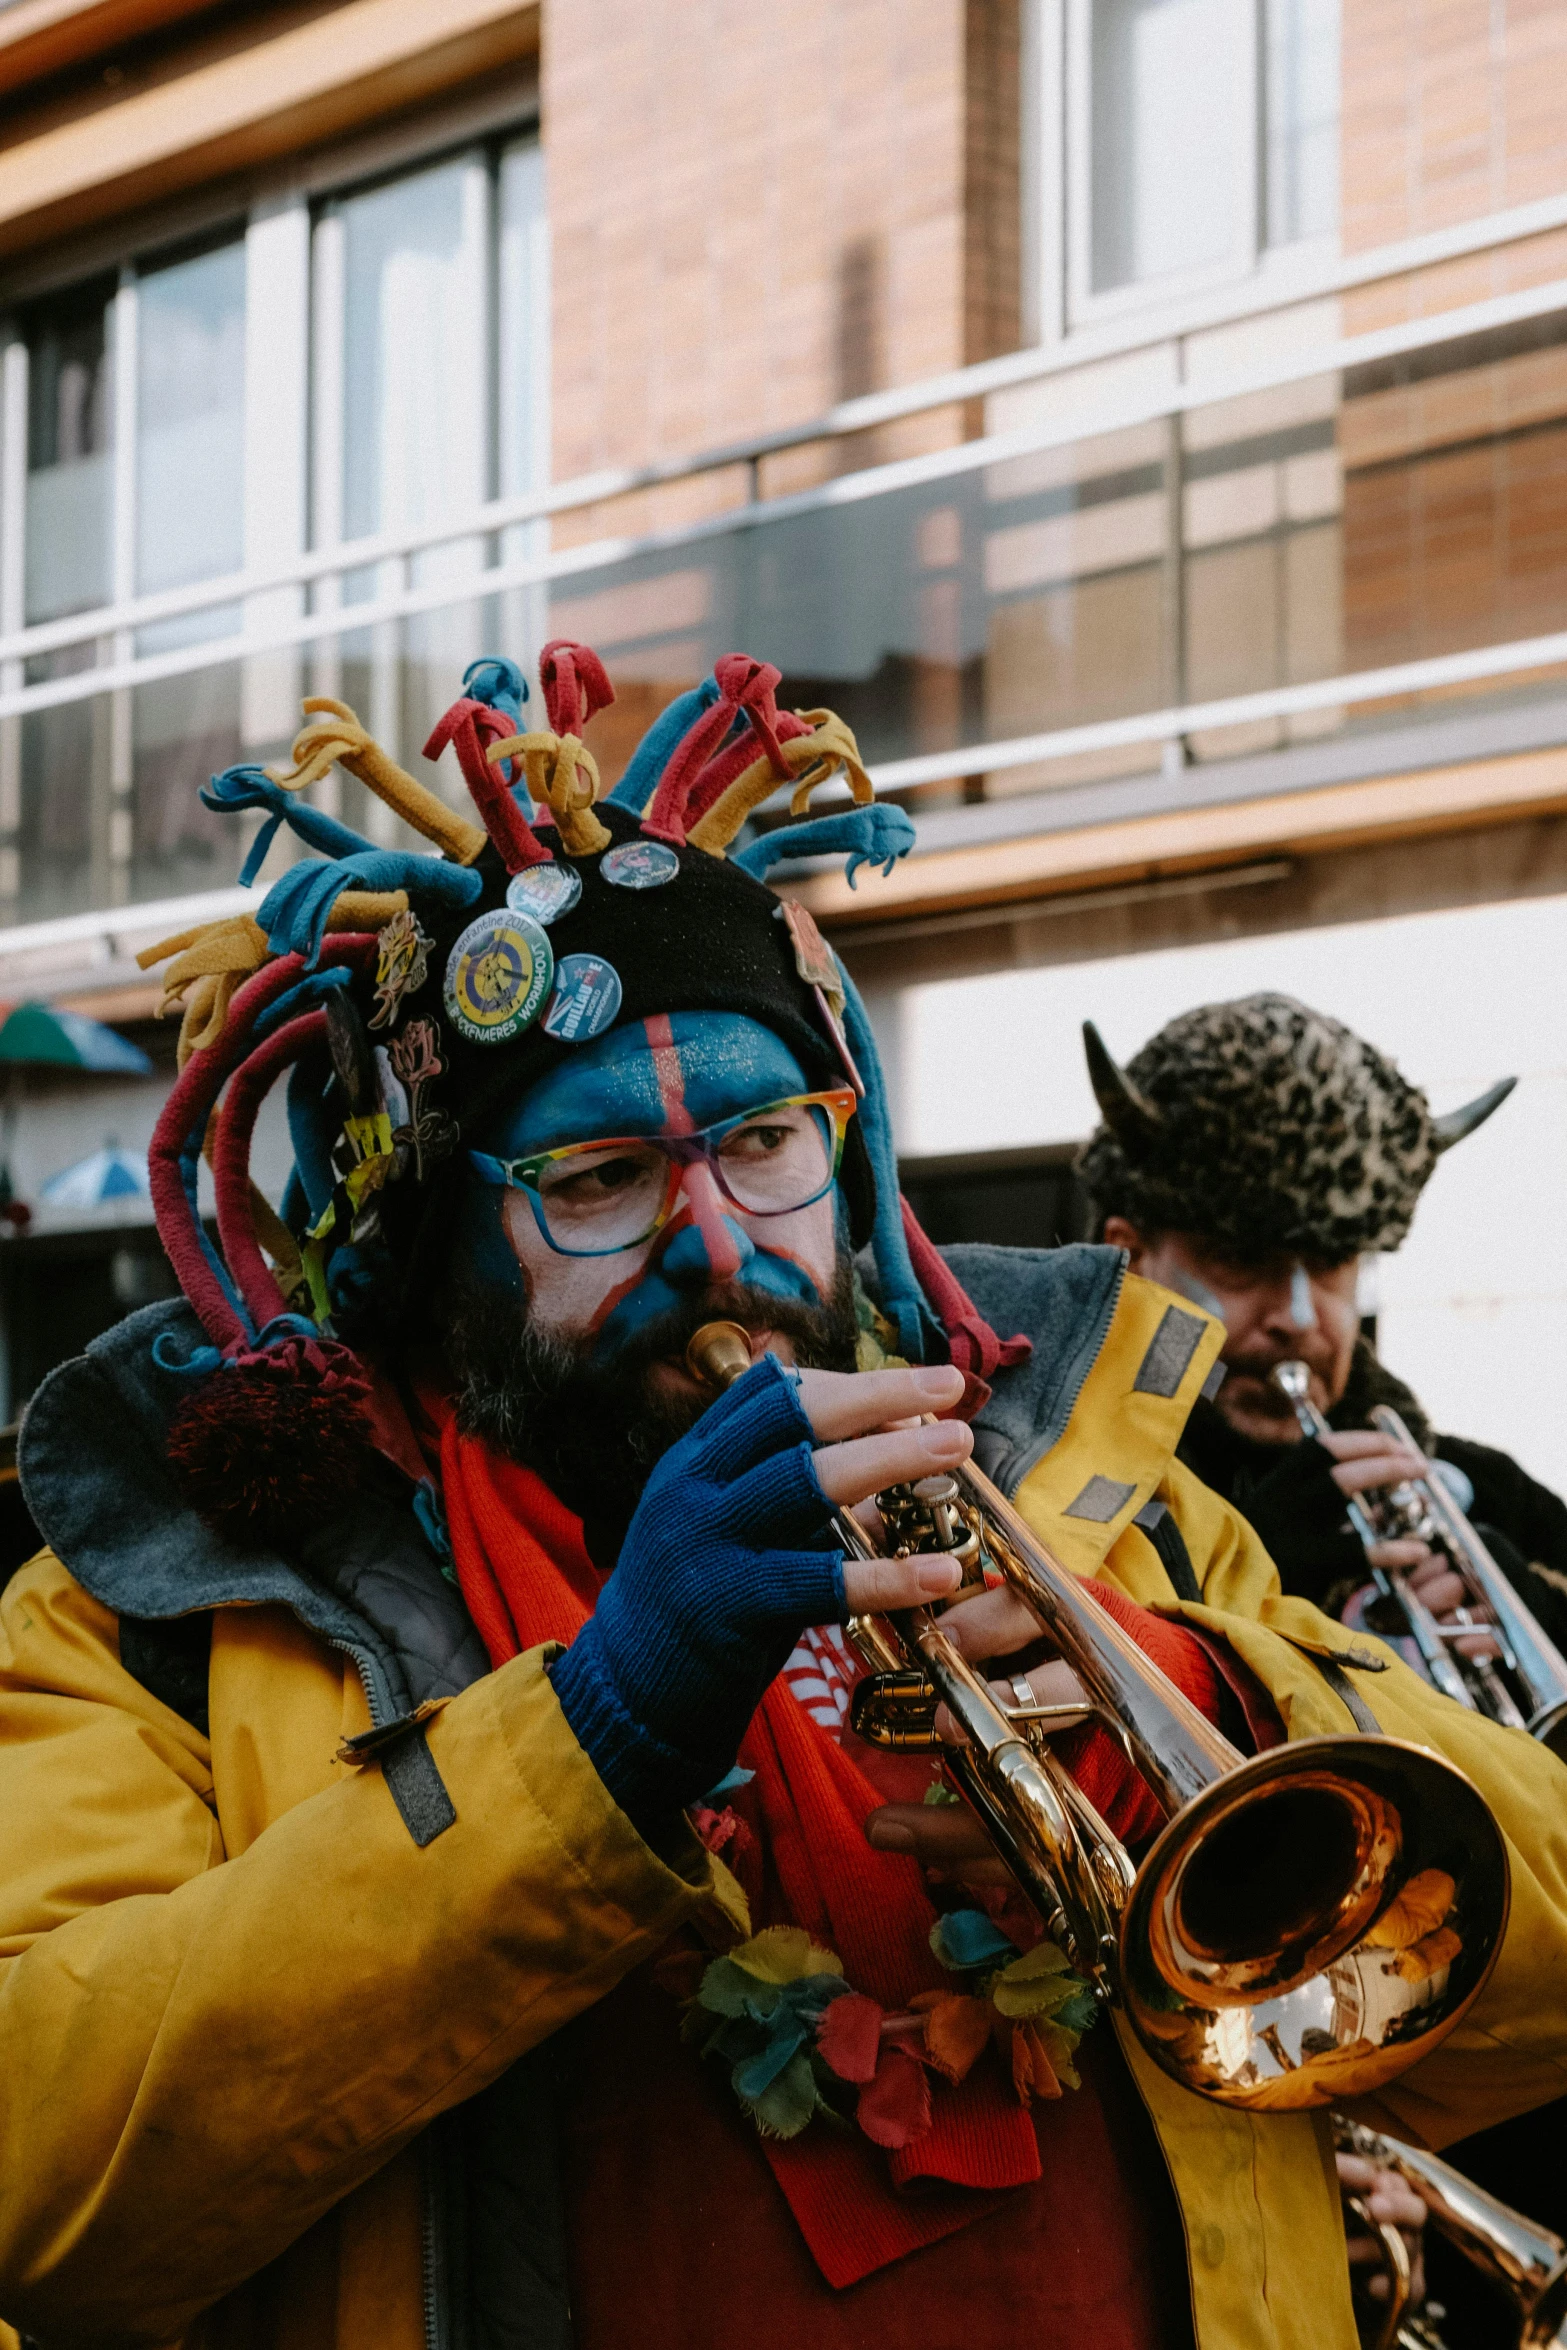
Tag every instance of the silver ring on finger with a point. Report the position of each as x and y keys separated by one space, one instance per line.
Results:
x=1023 y=1690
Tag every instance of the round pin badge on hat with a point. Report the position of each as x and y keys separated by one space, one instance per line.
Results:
x=640 y=864
x=498 y=975
x=586 y=999
x=544 y=891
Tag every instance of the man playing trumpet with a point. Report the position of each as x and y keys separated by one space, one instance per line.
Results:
x=1250 y=1155
x=437 y=1899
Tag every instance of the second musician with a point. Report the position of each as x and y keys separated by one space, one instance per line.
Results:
x=1250 y=1155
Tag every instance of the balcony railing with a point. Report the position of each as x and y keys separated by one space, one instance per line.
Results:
x=1016 y=582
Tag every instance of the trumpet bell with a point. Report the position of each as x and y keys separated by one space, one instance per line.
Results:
x=1309 y=1925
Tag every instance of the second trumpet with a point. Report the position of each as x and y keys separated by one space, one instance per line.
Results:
x=1524 y=1685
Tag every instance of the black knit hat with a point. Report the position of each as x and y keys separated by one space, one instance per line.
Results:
x=711 y=940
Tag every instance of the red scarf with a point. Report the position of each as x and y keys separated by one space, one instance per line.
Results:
x=527 y=1578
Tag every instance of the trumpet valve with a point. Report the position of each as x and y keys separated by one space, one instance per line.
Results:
x=895 y=1711
x=928 y=1517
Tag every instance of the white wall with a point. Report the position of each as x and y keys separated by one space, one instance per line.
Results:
x=60 y=1121
x=1474 y=1307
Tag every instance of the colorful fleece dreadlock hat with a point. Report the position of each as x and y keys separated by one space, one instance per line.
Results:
x=1266 y=1125
x=407 y=998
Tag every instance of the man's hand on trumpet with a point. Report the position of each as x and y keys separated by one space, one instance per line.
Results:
x=1391 y=2202
x=1368 y=1461
x=946 y=1838
x=732 y=1553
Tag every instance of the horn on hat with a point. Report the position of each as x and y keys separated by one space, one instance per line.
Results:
x=1453 y=1125
x=1129 y=1114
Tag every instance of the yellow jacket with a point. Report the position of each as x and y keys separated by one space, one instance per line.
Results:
x=234 y=1990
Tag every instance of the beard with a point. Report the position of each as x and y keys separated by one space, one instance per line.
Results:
x=595 y=1430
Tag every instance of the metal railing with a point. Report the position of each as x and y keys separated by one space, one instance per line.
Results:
x=1092 y=414
x=499 y=515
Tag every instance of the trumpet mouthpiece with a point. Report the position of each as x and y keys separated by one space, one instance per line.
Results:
x=1293 y=1378
x=718 y=1353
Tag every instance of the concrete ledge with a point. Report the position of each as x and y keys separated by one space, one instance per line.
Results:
x=41 y=37
x=1192 y=840
x=250 y=106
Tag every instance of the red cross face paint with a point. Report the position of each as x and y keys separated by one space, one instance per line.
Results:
x=672 y=1075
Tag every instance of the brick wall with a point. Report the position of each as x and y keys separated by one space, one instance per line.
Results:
x=755 y=211
x=1452 y=108
x=992 y=175
x=1455 y=480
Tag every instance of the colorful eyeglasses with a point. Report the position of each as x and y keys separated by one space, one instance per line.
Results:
x=592 y=1199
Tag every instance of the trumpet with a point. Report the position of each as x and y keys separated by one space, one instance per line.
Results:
x=1309 y=1922
x=1524 y=1686
x=1526 y=2263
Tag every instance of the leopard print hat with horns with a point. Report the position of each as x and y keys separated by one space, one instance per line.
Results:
x=1262 y=1124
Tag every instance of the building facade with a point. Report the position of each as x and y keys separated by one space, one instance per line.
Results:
x=1145 y=420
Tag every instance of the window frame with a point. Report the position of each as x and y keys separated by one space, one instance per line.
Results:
x=275 y=215
x=1060 y=300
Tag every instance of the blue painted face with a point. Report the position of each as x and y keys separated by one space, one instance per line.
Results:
x=668 y=1075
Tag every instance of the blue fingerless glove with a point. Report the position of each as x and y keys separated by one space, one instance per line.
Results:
x=705 y=1603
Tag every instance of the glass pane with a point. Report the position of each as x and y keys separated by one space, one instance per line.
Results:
x=62 y=865
x=185 y=729
x=190 y=420
x=522 y=411
x=998 y=603
x=521 y=623
x=1303 y=118
x=70 y=419
x=1456 y=530
x=414 y=345
x=415 y=427
x=1168 y=129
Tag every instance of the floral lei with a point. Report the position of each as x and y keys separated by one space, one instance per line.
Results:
x=800 y=2042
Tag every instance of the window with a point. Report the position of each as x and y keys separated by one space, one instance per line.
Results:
x=190 y=420
x=1203 y=133
x=427 y=340
x=189 y=508
x=411 y=260
x=1301 y=113
x=1168 y=127
x=70 y=424
x=363 y=366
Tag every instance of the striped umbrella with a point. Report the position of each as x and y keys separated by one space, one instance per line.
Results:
x=108 y=1174
x=42 y=1036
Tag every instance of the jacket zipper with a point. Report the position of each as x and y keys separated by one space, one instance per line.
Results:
x=437 y=2331
x=376 y=1698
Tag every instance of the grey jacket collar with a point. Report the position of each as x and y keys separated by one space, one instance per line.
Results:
x=96 y=1479
x=1061 y=1298
x=1064 y=1299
